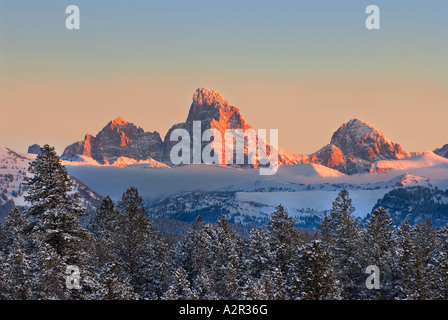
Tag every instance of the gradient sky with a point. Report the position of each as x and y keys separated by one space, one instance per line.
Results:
x=303 y=67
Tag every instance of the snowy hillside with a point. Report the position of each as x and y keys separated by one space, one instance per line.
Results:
x=14 y=170
x=425 y=160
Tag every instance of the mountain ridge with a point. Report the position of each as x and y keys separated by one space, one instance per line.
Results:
x=354 y=147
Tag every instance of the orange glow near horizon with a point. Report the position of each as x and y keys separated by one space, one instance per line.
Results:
x=411 y=113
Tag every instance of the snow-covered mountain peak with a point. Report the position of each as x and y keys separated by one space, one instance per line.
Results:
x=356 y=131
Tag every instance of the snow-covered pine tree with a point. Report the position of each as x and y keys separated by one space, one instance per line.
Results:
x=273 y=283
x=194 y=252
x=104 y=228
x=140 y=250
x=379 y=245
x=344 y=235
x=13 y=230
x=3 y=288
x=439 y=264
x=17 y=274
x=415 y=248
x=48 y=284
x=285 y=241
x=104 y=223
x=180 y=288
x=253 y=290
x=326 y=233
x=424 y=237
x=259 y=256
x=225 y=261
x=203 y=286
x=112 y=287
x=316 y=274
x=52 y=219
x=405 y=252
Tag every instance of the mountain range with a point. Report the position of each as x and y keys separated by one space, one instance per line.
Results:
x=355 y=147
x=359 y=158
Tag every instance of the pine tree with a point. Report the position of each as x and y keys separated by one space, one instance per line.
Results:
x=316 y=275
x=344 y=240
x=104 y=228
x=274 y=285
x=253 y=290
x=49 y=282
x=141 y=252
x=17 y=274
x=112 y=287
x=415 y=252
x=405 y=252
x=104 y=224
x=3 y=288
x=226 y=261
x=194 y=252
x=259 y=255
x=13 y=230
x=204 y=286
x=379 y=251
x=439 y=263
x=180 y=288
x=424 y=237
x=285 y=240
x=52 y=219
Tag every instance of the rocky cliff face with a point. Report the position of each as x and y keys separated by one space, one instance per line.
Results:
x=34 y=149
x=214 y=112
x=443 y=152
x=117 y=139
x=355 y=147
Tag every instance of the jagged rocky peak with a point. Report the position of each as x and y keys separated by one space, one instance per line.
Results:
x=353 y=131
x=118 y=138
x=35 y=149
x=443 y=152
x=210 y=106
x=356 y=146
x=118 y=121
x=362 y=140
x=204 y=96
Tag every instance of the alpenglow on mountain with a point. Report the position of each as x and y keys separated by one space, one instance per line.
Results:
x=117 y=139
x=121 y=139
x=354 y=148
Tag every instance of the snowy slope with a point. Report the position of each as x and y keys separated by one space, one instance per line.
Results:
x=81 y=160
x=425 y=160
x=14 y=171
